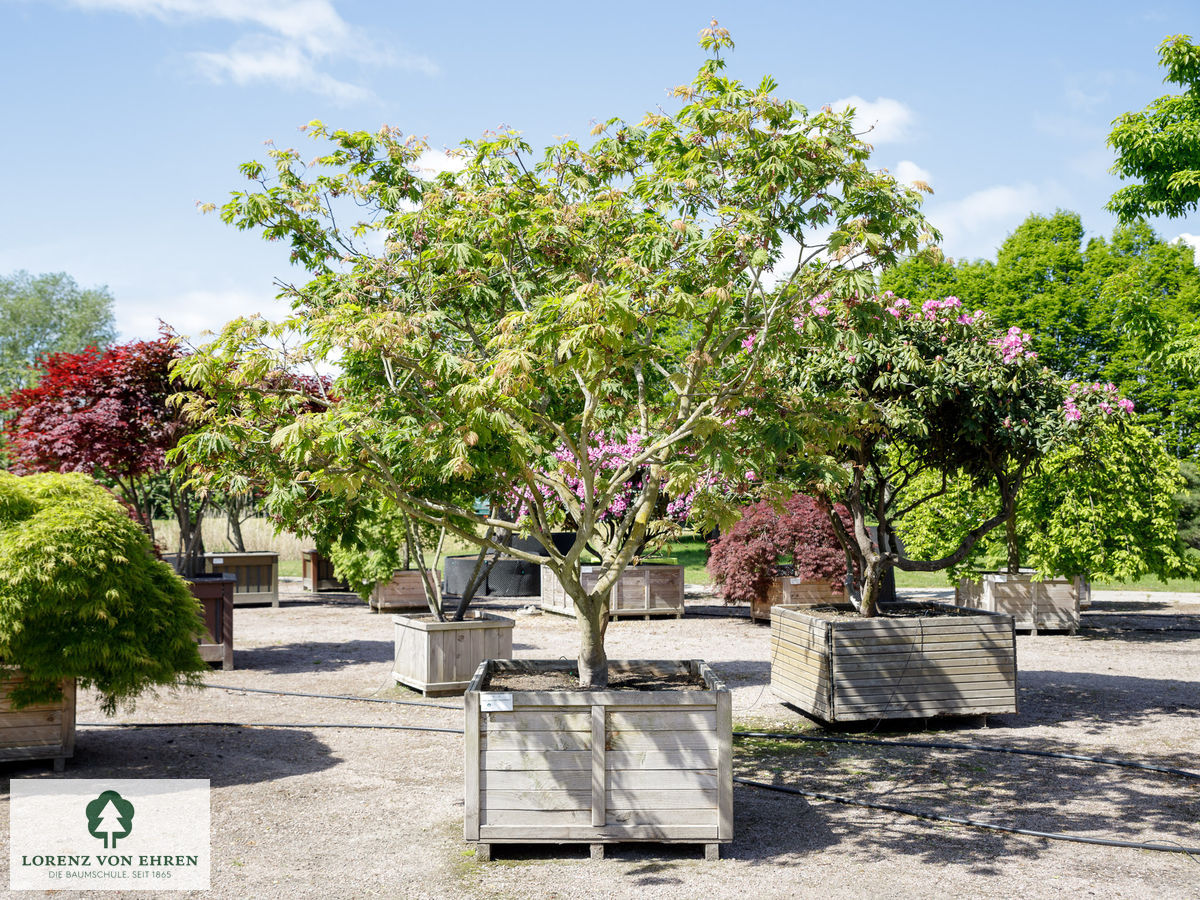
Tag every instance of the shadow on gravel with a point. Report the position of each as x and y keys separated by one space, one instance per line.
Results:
x=312 y=656
x=225 y=756
x=1047 y=795
x=1148 y=629
x=1096 y=702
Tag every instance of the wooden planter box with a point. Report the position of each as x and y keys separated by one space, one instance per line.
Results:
x=404 y=591
x=42 y=731
x=441 y=657
x=257 y=575
x=853 y=670
x=216 y=596
x=786 y=589
x=599 y=767
x=317 y=573
x=647 y=590
x=1050 y=605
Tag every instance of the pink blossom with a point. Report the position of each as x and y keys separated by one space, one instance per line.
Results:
x=820 y=311
x=1073 y=413
x=852 y=358
x=1126 y=405
x=748 y=343
x=750 y=475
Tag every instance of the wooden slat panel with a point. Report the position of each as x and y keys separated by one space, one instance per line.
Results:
x=663 y=720
x=588 y=834
x=536 y=740
x=550 y=760
x=526 y=719
x=557 y=800
x=658 y=759
x=472 y=764
x=599 y=808
x=536 y=781
x=681 y=779
x=661 y=740
x=579 y=699
x=664 y=799
x=668 y=817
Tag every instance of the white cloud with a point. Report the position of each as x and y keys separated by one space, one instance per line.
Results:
x=976 y=225
x=294 y=41
x=437 y=161
x=908 y=172
x=1194 y=240
x=194 y=312
x=889 y=120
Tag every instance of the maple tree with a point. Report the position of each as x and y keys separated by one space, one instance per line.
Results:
x=106 y=413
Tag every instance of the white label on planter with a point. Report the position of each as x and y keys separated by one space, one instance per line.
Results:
x=85 y=834
x=797 y=581
x=495 y=702
x=586 y=570
x=218 y=560
x=999 y=579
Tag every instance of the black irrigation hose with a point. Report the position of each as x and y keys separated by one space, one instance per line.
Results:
x=226 y=687
x=973 y=823
x=264 y=725
x=940 y=745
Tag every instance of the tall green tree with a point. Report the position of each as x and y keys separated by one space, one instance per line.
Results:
x=1096 y=311
x=1158 y=148
x=551 y=330
x=44 y=314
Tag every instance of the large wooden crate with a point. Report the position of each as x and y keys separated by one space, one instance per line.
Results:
x=215 y=594
x=1049 y=605
x=41 y=731
x=404 y=591
x=257 y=575
x=316 y=573
x=441 y=657
x=853 y=669
x=788 y=590
x=598 y=767
x=646 y=590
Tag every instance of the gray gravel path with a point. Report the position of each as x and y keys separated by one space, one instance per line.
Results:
x=335 y=812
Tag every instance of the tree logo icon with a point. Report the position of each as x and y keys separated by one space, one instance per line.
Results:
x=110 y=816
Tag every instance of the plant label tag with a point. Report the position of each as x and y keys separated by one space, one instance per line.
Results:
x=1000 y=579
x=218 y=560
x=495 y=702
x=797 y=581
x=586 y=570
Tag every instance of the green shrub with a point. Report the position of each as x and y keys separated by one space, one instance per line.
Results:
x=82 y=596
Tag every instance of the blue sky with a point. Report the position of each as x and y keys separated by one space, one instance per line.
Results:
x=122 y=114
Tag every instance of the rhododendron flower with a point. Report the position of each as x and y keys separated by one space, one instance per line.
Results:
x=748 y=343
x=1126 y=404
x=1073 y=413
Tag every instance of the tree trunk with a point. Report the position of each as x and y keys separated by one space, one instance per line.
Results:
x=872 y=584
x=1010 y=535
x=592 y=618
x=234 y=529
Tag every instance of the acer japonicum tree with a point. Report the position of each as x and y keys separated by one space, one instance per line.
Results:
x=768 y=541
x=499 y=319
x=121 y=624
x=106 y=413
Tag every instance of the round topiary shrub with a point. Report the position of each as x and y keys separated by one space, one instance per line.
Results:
x=768 y=542
x=82 y=595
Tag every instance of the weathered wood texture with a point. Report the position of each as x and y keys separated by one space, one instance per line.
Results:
x=441 y=657
x=404 y=591
x=648 y=590
x=1050 y=605
x=317 y=573
x=599 y=766
x=257 y=575
x=851 y=669
x=786 y=589
x=216 y=597
x=42 y=731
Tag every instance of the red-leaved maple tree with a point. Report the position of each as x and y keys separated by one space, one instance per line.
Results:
x=105 y=413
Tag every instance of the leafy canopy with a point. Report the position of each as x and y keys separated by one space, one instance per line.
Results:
x=1159 y=148
x=82 y=595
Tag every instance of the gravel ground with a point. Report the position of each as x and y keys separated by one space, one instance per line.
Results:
x=304 y=811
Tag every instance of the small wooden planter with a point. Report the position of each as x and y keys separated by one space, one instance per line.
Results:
x=1050 y=605
x=786 y=589
x=647 y=590
x=317 y=573
x=853 y=670
x=404 y=591
x=216 y=596
x=441 y=657
x=257 y=575
x=42 y=731
x=598 y=767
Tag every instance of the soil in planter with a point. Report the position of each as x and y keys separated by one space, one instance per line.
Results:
x=569 y=681
x=891 y=611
